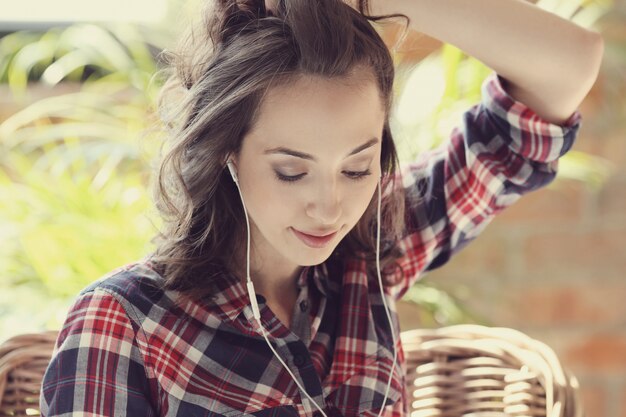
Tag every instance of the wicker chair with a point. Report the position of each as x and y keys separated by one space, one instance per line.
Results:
x=453 y=371
x=23 y=361
x=471 y=370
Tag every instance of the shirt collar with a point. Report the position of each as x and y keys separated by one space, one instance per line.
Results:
x=233 y=294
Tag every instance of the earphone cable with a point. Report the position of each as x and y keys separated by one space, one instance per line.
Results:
x=382 y=293
x=257 y=315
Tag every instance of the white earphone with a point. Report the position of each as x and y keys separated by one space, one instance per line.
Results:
x=255 y=307
x=233 y=171
x=251 y=292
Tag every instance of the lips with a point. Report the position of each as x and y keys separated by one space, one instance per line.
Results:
x=318 y=234
x=314 y=241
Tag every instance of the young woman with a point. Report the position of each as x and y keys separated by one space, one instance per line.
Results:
x=290 y=230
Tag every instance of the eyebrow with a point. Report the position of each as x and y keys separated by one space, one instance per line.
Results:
x=291 y=152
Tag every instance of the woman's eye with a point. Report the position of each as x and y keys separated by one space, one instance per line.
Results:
x=355 y=175
x=288 y=178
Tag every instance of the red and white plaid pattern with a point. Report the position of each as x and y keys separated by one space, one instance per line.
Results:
x=127 y=348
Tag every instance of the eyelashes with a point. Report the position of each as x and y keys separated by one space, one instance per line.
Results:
x=353 y=175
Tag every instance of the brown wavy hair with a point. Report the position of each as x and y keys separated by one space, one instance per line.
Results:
x=215 y=82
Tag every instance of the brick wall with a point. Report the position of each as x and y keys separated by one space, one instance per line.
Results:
x=554 y=265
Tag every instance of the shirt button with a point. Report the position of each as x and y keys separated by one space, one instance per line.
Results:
x=298 y=360
x=304 y=305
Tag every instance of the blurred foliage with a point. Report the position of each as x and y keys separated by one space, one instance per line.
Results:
x=121 y=58
x=75 y=167
x=67 y=228
x=437 y=307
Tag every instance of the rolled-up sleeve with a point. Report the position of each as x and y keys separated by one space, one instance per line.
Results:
x=97 y=366
x=501 y=150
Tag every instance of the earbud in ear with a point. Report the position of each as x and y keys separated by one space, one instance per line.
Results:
x=233 y=171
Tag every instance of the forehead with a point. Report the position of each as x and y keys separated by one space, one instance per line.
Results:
x=315 y=113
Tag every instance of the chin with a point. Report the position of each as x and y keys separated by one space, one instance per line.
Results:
x=314 y=258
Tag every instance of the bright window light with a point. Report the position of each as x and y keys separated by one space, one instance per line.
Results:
x=29 y=12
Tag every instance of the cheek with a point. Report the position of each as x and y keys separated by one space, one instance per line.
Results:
x=270 y=201
x=357 y=199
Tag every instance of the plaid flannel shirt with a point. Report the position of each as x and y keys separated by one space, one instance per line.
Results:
x=127 y=348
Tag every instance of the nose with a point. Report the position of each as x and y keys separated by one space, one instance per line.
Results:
x=325 y=206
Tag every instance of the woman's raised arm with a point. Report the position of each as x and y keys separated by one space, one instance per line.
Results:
x=546 y=62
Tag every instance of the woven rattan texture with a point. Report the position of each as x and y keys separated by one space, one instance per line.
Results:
x=472 y=370
x=454 y=371
x=23 y=361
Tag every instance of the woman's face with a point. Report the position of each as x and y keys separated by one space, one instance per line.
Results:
x=310 y=164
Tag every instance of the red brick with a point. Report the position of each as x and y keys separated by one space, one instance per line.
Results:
x=563 y=204
x=611 y=200
x=589 y=143
x=592 y=105
x=600 y=352
x=410 y=316
x=565 y=304
x=484 y=255
x=614 y=149
x=475 y=274
x=560 y=340
x=596 y=256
